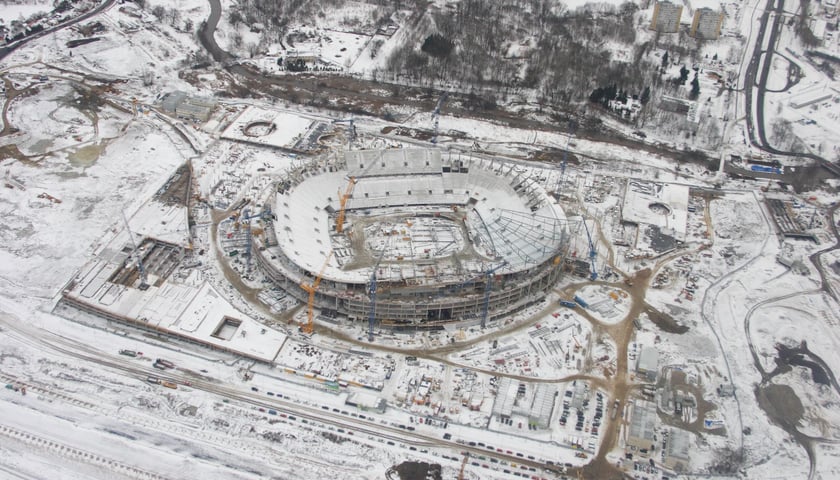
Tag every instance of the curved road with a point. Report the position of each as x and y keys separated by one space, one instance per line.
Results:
x=6 y=50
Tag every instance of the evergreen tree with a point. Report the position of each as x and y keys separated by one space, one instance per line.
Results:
x=695 y=88
x=645 y=98
x=683 y=75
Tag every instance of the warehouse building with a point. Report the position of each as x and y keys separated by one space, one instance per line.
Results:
x=647 y=366
x=677 y=450
x=640 y=435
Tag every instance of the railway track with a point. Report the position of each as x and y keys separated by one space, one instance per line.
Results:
x=287 y=410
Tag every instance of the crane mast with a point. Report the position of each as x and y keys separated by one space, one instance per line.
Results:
x=593 y=273
x=488 y=286
x=372 y=295
x=565 y=157
x=311 y=289
x=339 y=219
x=436 y=115
x=352 y=131
x=144 y=285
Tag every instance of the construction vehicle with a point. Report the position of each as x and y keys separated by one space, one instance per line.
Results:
x=165 y=363
x=488 y=286
x=49 y=197
x=581 y=302
x=436 y=116
x=568 y=304
x=339 y=219
x=593 y=273
x=311 y=289
x=13 y=183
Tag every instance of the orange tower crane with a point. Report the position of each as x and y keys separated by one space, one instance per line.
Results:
x=339 y=220
x=311 y=289
x=463 y=466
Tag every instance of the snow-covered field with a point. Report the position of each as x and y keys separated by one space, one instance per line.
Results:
x=737 y=292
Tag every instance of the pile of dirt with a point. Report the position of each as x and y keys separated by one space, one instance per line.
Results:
x=418 y=471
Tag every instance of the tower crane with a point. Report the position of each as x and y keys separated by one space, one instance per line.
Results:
x=372 y=295
x=352 y=130
x=311 y=289
x=565 y=157
x=245 y=220
x=339 y=219
x=463 y=466
x=144 y=285
x=593 y=271
x=436 y=115
x=488 y=286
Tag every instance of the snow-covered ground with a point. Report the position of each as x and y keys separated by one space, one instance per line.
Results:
x=89 y=412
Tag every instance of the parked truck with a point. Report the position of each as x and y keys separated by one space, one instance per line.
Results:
x=581 y=302
x=165 y=363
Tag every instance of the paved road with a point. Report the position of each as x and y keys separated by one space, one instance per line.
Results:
x=207 y=30
x=6 y=50
x=758 y=80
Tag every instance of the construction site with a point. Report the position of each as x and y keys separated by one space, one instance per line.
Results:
x=405 y=239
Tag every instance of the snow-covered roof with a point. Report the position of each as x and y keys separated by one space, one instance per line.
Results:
x=399 y=161
x=287 y=128
x=662 y=204
x=679 y=444
x=512 y=221
x=505 y=398
x=198 y=313
x=543 y=403
x=168 y=223
x=643 y=421
x=648 y=360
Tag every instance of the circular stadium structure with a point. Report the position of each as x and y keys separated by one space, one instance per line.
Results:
x=438 y=241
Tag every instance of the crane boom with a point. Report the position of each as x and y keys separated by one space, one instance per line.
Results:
x=339 y=219
x=436 y=115
x=488 y=286
x=245 y=220
x=352 y=131
x=463 y=466
x=593 y=273
x=565 y=157
x=311 y=289
x=144 y=285
x=372 y=293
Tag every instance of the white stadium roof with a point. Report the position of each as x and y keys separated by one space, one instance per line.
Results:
x=510 y=218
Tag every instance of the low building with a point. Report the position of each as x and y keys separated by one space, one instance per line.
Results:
x=367 y=402
x=647 y=366
x=197 y=109
x=505 y=399
x=677 y=450
x=640 y=435
x=542 y=406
